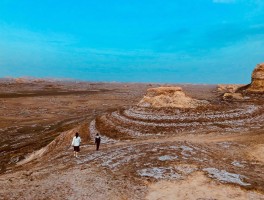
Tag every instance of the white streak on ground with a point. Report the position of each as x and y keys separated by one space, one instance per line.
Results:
x=224 y=121
x=225 y=176
x=123 y=129
x=146 y=115
x=159 y=173
x=94 y=131
x=237 y=164
x=167 y=157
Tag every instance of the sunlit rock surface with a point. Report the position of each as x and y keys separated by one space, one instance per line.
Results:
x=170 y=97
x=257 y=79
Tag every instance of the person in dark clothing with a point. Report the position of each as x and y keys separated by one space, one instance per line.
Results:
x=97 y=141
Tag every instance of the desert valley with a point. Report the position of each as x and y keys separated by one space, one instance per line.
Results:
x=159 y=141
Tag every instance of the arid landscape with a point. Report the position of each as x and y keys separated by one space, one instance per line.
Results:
x=159 y=141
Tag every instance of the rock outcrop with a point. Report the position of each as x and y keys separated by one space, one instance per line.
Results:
x=233 y=96
x=172 y=97
x=21 y=80
x=257 y=79
x=230 y=88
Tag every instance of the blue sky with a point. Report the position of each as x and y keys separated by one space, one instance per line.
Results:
x=173 y=41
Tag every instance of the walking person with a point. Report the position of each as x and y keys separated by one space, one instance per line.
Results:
x=97 y=141
x=76 y=141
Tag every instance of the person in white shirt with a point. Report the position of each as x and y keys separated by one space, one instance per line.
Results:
x=76 y=141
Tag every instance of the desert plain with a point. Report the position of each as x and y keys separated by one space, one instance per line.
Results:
x=207 y=146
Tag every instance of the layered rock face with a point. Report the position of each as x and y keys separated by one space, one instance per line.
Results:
x=257 y=80
x=168 y=97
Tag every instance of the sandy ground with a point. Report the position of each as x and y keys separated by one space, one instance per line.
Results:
x=197 y=186
x=257 y=152
x=214 y=152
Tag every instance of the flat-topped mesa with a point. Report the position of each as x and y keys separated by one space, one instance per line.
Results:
x=257 y=79
x=151 y=92
x=169 y=97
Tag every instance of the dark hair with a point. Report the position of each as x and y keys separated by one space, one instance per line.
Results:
x=77 y=135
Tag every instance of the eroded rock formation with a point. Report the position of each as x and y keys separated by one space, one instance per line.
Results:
x=228 y=88
x=233 y=96
x=257 y=79
x=169 y=97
